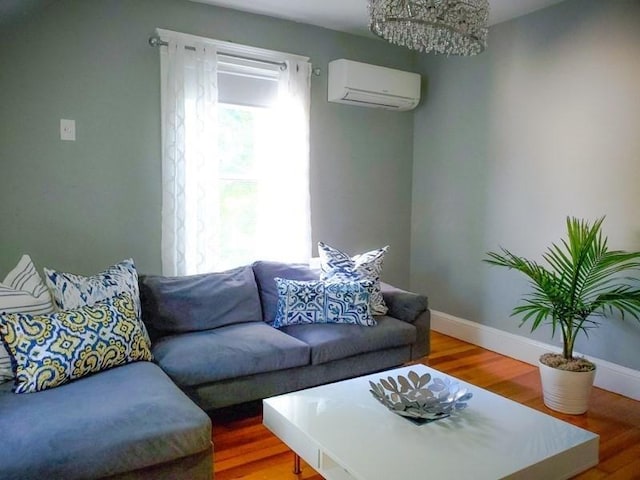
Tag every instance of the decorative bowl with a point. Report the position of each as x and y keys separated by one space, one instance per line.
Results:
x=415 y=398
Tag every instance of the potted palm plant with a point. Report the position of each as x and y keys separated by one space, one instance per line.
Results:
x=579 y=284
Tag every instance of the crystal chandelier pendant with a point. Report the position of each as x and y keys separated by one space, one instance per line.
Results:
x=451 y=27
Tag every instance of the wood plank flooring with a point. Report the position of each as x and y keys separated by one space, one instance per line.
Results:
x=244 y=449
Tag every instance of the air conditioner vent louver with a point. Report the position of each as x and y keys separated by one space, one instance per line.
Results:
x=367 y=85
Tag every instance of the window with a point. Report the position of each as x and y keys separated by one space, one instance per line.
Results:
x=239 y=130
x=235 y=155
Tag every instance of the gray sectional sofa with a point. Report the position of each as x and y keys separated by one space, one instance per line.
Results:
x=213 y=347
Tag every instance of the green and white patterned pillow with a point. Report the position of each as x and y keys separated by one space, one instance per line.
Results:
x=22 y=291
x=50 y=350
x=338 y=266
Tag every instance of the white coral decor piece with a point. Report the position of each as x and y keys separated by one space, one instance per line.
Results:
x=414 y=397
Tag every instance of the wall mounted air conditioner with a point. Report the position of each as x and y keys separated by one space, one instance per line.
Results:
x=367 y=85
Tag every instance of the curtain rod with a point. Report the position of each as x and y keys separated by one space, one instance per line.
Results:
x=156 y=42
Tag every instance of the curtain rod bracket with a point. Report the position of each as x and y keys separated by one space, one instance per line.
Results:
x=156 y=42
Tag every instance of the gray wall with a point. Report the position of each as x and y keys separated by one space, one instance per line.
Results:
x=80 y=206
x=542 y=125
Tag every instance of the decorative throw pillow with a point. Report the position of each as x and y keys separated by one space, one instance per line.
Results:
x=22 y=291
x=265 y=273
x=50 y=350
x=72 y=291
x=338 y=266
x=301 y=302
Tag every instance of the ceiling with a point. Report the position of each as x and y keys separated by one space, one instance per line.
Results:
x=351 y=15
x=343 y=15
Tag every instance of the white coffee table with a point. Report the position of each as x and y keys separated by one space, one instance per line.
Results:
x=344 y=433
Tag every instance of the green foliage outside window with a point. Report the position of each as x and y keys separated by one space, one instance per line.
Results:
x=238 y=183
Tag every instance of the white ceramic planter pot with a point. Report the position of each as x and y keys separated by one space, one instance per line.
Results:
x=564 y=391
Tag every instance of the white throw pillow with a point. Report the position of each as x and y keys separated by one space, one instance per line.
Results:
x=339 y=266
x=22 y=291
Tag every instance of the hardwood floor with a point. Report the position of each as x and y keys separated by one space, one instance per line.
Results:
x=244 y=449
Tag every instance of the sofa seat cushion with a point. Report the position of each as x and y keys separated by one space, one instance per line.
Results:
x=123 y=419
x=335 y=341
x=197 y=358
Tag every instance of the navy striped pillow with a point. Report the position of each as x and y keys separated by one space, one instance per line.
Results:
x=22 y=291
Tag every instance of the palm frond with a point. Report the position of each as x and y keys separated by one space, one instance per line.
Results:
x=579 y=282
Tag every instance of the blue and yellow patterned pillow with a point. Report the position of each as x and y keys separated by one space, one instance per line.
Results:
x=338 y=266
x=303 y=302
x=74 y=291
x=50 y=350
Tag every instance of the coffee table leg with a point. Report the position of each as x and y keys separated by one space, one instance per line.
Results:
x=296 y=464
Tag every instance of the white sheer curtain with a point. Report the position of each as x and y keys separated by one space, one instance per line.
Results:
x=191 y=210
x=284 y=223
x=189 y=196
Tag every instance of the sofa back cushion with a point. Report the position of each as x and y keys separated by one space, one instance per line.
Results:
x=266 y=272
x=199 y=302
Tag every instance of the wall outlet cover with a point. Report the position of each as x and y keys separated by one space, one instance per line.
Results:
x=67 y=129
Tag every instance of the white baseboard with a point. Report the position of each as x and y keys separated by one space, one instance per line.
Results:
x=609 y=376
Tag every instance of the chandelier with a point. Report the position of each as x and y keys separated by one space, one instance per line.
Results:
x=452 y=27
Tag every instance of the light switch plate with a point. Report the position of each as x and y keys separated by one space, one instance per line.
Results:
x=67 y=129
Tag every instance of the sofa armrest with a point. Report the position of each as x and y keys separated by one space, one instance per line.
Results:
x=403 y=305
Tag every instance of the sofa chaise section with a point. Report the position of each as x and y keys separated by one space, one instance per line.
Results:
x=128 y=422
